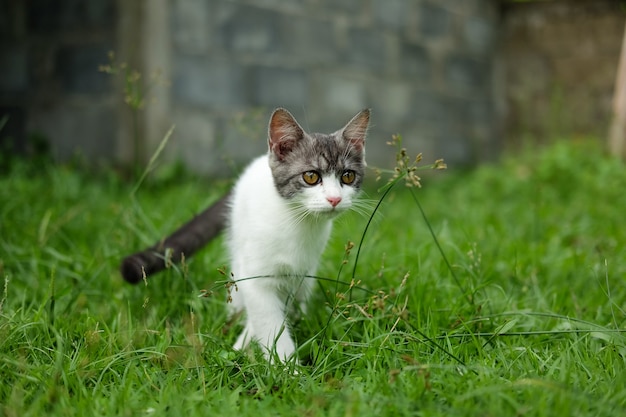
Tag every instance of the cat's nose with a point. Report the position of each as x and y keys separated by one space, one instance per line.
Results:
x=334 y=201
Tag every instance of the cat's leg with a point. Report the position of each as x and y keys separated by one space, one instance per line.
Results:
x=266 y=321
x=236 y=306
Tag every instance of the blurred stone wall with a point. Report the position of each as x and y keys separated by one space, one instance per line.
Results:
x=50 y=87
x=425 y=67
x=558 y=63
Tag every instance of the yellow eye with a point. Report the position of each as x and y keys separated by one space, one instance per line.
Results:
x=348 y=177
x=311 y=177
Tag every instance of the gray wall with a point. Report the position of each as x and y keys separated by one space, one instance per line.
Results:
x=49 y=81
x=560 y=61
x=425 y=67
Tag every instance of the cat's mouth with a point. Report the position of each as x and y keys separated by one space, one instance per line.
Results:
x=330 y=211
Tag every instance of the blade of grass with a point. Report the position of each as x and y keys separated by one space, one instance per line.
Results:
x=153 y=159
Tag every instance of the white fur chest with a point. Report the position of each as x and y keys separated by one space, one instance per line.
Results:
x=268 y=235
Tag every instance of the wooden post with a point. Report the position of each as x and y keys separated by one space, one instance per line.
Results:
x=617 y=132
x=126 y=51
x=156 y=54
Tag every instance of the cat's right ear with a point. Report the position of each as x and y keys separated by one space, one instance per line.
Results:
x=283 y=133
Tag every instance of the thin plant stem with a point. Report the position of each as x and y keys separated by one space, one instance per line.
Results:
x=530 y=333
x=369 y=221
x=153 y=159
x=443 y=254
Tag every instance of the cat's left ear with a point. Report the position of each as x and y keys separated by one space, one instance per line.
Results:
x=283 y=133
x=355 y=131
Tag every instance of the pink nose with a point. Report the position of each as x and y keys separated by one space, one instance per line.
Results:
x=334 y=201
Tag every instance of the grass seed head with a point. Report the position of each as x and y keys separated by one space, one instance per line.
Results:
x=440 y=164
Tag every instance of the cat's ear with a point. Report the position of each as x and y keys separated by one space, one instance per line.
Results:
x=355 y=131
x=284 y=133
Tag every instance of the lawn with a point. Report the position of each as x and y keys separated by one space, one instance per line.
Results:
x=516 y=308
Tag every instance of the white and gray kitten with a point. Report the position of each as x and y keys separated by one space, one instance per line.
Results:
x=278 y=219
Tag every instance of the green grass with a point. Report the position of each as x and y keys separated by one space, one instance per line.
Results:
x=528 y=321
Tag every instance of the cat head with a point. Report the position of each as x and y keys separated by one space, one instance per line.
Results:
x=321 y=172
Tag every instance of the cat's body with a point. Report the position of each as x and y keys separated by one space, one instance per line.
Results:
x=278 y=219
x=270 y=268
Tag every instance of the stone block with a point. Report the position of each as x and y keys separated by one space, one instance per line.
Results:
x=393 y=14
x=280 y=87
x=191 y=26
x=48 y=16
x=392 y=101
x=15 y=68
x=434 y=21
x=271 y=36
x=194 y=141
x=346 y=6
x=202 y=81
x=309 y=42
x=366 y=50
x=479 y=35
x=78 y=68
x=246 y=29
x=431 y=108
x=241 y=136
x=415 y=63
x=465 y=75
x=342 y=94
x=481 y=112
x=454 y=145
x=282 y=6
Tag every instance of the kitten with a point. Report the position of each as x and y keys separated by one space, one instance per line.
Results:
x=278 y=219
